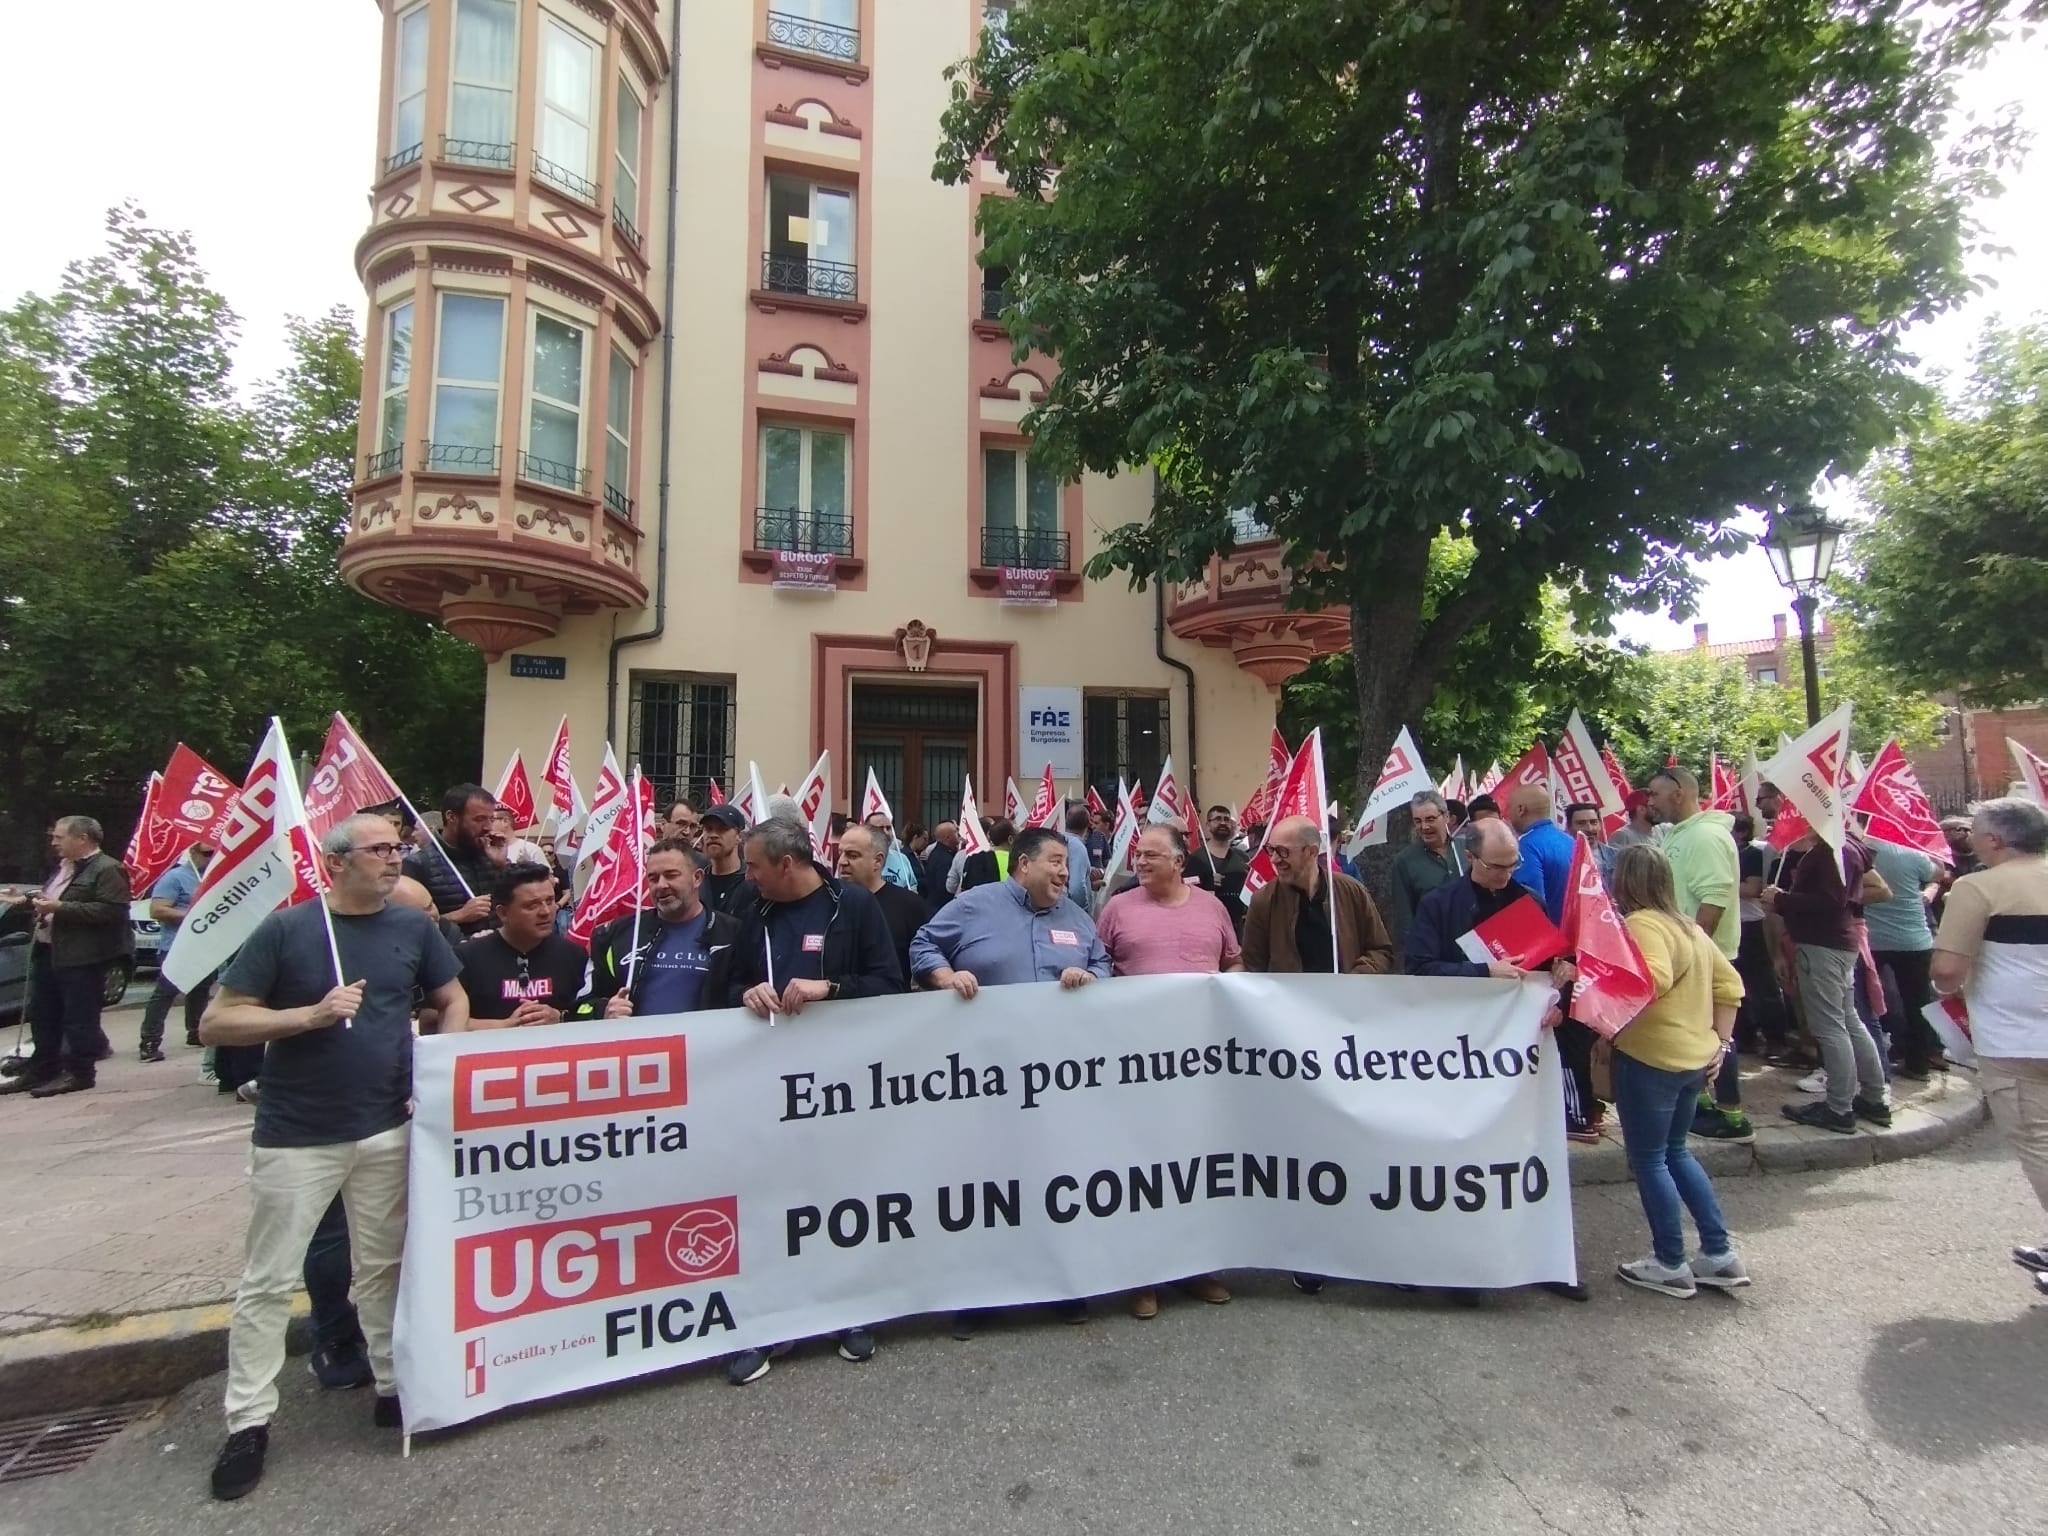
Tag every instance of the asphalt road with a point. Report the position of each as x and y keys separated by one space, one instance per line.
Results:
x=1888 y=1372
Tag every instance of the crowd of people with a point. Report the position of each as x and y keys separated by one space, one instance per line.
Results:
x=1800 y=957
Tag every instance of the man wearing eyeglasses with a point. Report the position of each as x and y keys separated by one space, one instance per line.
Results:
x=524 y=973
x=337 y=1073
x=1289 y=927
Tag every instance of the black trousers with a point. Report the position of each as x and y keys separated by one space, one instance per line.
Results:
x=1575 y=1052
x=159 y=1009
x=1761 y=1016
x=64 y=1016
x=1905 y=1021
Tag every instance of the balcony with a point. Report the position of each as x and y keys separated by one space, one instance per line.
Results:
x=807 y=275
x=993 y=302
x=459 y=458
x=821 y=39
x=617 y=501
x=624 y=224
x=1032 y=549
x=1241 y=602
x=562 y=179
x=400 y=160
x=476 y=152
x=545 y=471
x=808 y=533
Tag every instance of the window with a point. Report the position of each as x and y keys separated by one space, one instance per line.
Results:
x=1767 y=674
x=826 y=27
x=1012 y=484
x=810 y=239
x=480 y=94
x=554 y=416
x=567 y=110
x=391 y=393
x=626 y=162
x=618 y=435
x=680 y=731
x=1123 y=735
x=804 y=491
x=995 y=292
x=995 y=16
x=409 y=90
x=468 y=363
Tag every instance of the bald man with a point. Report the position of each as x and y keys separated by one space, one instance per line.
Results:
x=1289 y=926
x=1546 y=867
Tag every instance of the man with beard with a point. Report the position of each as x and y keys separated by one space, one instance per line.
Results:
x=523 y=972
x=169 y=900
x=1220 y=864
x=456 y=866
x=681 y=943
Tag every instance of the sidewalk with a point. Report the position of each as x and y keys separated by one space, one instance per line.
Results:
x=121 y=1240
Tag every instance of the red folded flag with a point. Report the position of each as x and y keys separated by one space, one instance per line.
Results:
x=1519 y=933
x=515 y=792
x=1898 y=807
x=1614 y=979
x=347 y=778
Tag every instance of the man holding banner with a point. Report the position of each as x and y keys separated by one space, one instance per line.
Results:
x=333 y=1113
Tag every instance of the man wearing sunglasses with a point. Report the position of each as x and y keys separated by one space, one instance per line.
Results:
x=524 y=973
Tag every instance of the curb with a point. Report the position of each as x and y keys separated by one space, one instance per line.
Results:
x=1925 y=1125
x=154 y=1354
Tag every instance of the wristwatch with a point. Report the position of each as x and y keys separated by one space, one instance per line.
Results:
x=831 y=990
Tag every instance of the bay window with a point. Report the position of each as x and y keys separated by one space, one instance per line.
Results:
x=409 y=90
x=568 y=115
x=554 y=413
x=626 y=163
x=480 y=87
x=469 y=359
x=394 y=386
x=618 y=436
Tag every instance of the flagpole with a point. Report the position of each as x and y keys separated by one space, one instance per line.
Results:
x=640 y=887
x=1329 y=851
x=298 y=814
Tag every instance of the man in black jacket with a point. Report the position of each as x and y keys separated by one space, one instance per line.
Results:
x=678 y=964
x=808 y=939
x=79 y=925
x=863 y=851
x=456 y=867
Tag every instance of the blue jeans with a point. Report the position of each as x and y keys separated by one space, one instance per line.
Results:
x=328 y=1271
x=1656 y=1110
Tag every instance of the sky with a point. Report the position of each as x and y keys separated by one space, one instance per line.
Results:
x=269 y=167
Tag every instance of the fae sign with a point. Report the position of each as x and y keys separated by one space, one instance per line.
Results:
x=1049 y=728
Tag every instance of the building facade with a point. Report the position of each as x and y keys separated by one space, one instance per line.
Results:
x=686 y=401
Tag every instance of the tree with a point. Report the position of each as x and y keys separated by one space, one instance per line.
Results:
x=1951 y=574
x=1573 y=279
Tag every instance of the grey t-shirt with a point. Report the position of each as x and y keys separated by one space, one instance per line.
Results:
x=345 y=1082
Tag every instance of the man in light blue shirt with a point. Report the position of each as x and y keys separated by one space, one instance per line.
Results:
x=169 y=900
x=1902 y=946
x=1019 y=929
x=896 y=867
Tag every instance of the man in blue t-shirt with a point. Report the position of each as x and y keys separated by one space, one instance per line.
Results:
x=169 y=900
x=662 y=961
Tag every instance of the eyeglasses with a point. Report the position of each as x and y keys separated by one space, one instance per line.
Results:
x=1493 y=864
x=379 y=850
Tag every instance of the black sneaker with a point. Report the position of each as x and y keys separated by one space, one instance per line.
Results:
x=191 y=1037
x=1820 y=1117
x=1070 y=1311
x=62 y=1083
x=239 y=1466
x=856 y=1344
x=965 y=1324
x=152 y=1053
x=23 y=1084
x=386 y=1414
x=1871 y=1110
x=1570 y=1291
x=1309 y=1285
x=341 y=1367
x=748 y=1365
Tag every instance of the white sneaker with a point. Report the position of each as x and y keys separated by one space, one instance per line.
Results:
x=1652 y=1276
x=1722 y=1271
x=1813 y=1082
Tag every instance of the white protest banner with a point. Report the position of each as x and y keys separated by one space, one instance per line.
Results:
x=593 y=1201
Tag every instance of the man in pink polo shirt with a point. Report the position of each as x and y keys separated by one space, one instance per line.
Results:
x=1162 y=926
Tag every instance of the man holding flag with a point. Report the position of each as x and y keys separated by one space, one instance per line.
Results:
x=456 y=866
x=1291 y=926
x=333 y=1113
x=169 y=900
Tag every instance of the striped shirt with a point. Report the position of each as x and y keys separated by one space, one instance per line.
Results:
x=1999 y=918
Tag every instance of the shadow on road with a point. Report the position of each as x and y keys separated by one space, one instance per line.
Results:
x=1945 y=1389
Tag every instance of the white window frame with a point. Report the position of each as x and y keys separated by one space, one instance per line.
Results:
x=543 y=104
x=806 y=489
x=626 y=169
x=613 y=414
x=402 y=390
x=1021 y=480
x=495 y=385
x=508 y=88
x=535 y=313
x=393 y=147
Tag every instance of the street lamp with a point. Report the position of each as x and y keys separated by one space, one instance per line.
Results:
x=1801 y=542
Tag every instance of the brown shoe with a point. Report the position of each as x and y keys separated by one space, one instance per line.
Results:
x=1207 y=1288
x=63 y=1082
x=1144 y=1304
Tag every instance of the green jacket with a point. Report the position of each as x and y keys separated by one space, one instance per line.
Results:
x=1706 y=870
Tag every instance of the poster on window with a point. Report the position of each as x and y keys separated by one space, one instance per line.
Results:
x=798 y=571
x=1027 y=588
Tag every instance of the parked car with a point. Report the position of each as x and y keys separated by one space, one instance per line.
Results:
x=149 y=935
x=14 y=970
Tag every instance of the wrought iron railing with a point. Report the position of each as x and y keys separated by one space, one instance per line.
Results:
x=476 y=152
x=806 y=274
x=819 y=37
x=618 y=501
x=402 y=159
x=1035 y=549
x=993 y=302
x=623 y=223
x=811 y=533
x=558 y=175
x=534 y=466
x=459 y=458
x=386 y=462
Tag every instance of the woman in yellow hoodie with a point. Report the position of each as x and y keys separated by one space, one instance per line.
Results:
x=1662 y=1058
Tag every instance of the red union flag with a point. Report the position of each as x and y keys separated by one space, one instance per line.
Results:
x=1808 y=772
x=1259 y=809
x=713 y=795
x=1615 y=821
x=1045 y=805
x=566 y=810
x=1580 y=773
x=1898 y=808
x=266 y=860
x=1614 y=980
x=1726 y=793
x=1532 y=768
x=515 y=792
x=613 y=887
x=141 y=860
x=1095 y=805
x=196 y=795
x=1301 y=793
x=347 y=778
x=611 y=799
